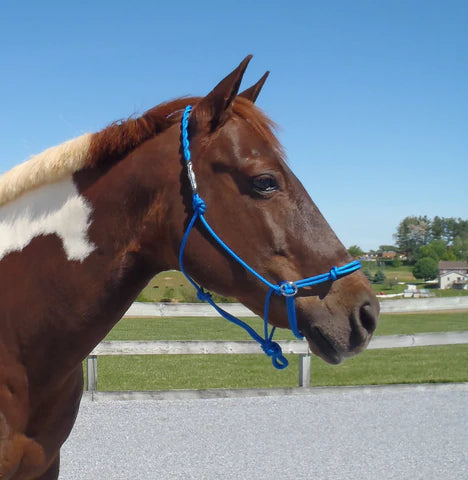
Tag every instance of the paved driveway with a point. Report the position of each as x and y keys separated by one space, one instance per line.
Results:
x=371 y=433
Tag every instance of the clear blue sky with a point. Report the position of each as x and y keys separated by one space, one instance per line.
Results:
x=371 y=96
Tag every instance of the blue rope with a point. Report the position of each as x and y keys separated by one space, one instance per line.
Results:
x=286 y=289
x=185 y=139
x=271 y=349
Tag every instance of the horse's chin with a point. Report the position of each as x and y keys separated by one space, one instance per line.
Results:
x=330 y=350
x=323 y=347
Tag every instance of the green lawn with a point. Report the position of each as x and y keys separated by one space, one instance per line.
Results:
x=410 y=323
x=187 y=328
x=213 y=328
x=403 y=273
x=173 y=286
x=450 y=292
x=403 y=365
x=407 y=365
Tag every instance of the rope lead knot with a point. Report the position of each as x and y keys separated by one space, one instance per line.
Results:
x=273 y=350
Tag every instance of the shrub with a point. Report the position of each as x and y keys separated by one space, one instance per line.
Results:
x=397 y=263
x=368 y=274
x=379 y=277
x=426 y=268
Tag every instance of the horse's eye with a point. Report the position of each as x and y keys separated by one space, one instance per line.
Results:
x=264 y=183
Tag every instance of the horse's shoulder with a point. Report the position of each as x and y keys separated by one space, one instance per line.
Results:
x=51 y=419
x=20 y=456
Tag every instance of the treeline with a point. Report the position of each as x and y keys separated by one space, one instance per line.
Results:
x=425 y=241
x=438 y=238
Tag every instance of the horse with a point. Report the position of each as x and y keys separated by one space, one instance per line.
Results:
x=86 y=224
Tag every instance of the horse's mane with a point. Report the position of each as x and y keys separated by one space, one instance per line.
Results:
x=120 y=138
x=47 y=167
x=114 y=143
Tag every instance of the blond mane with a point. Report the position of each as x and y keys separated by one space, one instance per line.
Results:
x=47 y=167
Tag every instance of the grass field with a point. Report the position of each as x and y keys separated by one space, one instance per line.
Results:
x=173 y=286
x=408 y=365
x=403 y=273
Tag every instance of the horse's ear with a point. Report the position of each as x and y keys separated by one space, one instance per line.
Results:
x=214 y=107
x=252 y=92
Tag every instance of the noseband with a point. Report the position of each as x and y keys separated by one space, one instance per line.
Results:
x=287 y=289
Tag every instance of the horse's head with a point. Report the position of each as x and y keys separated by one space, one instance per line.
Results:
x=262 y=211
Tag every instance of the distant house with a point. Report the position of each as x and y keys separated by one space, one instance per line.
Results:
x=453 y=275
x=389 y=254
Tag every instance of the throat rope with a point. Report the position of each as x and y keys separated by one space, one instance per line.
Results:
x=286 y=289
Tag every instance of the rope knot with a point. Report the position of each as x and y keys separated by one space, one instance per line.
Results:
x=203 y=296
x=273 y=350
x=199 y=206
x=333 y=273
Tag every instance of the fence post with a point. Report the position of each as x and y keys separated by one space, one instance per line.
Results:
x=304 y=370
x=91 y=373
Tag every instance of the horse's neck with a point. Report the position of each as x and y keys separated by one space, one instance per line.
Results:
x=128 y=229
x=91 y=245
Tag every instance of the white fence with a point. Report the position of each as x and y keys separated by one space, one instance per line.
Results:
x=294 y=347
x=204 y=310
x=239 y=348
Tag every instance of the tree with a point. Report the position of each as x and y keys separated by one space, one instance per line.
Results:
x=442 y=238
x=447 y=229
x=426 y=268
x=437 y=250
x=460 y=248
x=437 y=228
x=396 y=262
x=355 y=251
x=412 y=233
x=379 y=277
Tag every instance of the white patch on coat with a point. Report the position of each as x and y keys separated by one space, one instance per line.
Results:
x=56 y=208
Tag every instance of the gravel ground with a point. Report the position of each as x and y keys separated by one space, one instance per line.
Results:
x=370 y=433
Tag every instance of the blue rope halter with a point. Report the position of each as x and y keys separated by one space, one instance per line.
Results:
x=285 y=289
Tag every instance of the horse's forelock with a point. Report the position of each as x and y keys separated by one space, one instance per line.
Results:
x=260 y=122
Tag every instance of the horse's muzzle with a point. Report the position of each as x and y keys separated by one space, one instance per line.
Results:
x=334 y=335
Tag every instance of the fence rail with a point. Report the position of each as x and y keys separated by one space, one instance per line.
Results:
x=139 y=309
x=294 y=347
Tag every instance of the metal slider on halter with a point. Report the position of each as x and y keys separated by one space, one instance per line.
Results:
x=286 y=289
x=191 y=177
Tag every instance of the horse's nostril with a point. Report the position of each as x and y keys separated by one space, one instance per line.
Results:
x=368 y=317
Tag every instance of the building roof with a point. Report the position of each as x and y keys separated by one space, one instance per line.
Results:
x=443 y=265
